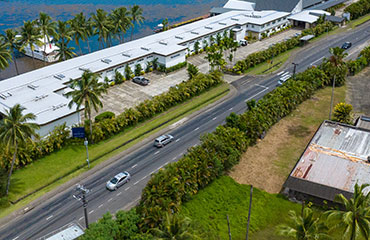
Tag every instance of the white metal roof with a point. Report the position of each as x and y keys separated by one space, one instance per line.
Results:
x=242 y=5
x=305 y=16
x=49 y=79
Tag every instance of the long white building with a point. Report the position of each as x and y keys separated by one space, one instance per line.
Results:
x=42 y=91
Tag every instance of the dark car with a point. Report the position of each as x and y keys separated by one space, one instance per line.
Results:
x=346 y=45
x=141 y=80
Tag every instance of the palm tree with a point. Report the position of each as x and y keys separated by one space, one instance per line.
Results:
x=336 y=60
x=165 y=24
x=89 y=28
x=174 y=227
x=136 y=16
x=16 y=129
x=101 y=25
x=47 y=29
x=78 y=29
x=305 y=227
x=63 y=36
x=10 y=38
x=30 y=36
x=87 y=91
x=121 y=22
x=354 y=220
x=5 y=55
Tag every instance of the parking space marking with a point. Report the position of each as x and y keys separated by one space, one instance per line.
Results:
x=118 y=194
x=177 y=140
x=214 y=118
x=134 y=166
x=47 y=219
x=196 y=129
x=156 y=152
x=127 y=188
x=91 y=211
x=101 y=205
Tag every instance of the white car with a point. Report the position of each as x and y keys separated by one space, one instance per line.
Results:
x=163 y=140
x=118 y=180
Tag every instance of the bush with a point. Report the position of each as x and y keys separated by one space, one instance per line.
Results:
x=104 y=115
x=342 y=113
x=128 y=72
x=138 y=69
x=358 y=9
x=118 y=77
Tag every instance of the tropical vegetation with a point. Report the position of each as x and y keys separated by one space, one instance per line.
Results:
x=358 y=9
x=343 y=113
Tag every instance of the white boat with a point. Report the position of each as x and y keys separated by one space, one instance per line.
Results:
x=46 y=52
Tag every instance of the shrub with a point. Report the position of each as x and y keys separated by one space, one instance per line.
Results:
x=118 y=77
x=138 y=69
x=358 y=9
x=192 y=70
x=342 y=113
x=128 y=72
x=104 y=115
x=176 y=67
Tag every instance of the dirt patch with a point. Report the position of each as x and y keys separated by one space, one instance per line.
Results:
x=358 y=92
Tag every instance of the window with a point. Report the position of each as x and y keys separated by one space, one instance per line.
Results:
x=140 y=60
x=149 y=57
x=110 y=70
x=252 y=25
x=175 y=56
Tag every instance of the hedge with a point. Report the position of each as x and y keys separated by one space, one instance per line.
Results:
x=358 y=9
x=104 y=115
x=162 y=68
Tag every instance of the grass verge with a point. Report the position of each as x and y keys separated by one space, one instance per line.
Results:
x=209 y=207
x=359 y=21
x=51 y=167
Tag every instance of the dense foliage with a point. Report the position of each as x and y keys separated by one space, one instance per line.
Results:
x=162 y=68
x=358 y=9
x=104 y=115
x=342 y=113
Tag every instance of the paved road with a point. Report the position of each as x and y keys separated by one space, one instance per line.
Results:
x=63 y=208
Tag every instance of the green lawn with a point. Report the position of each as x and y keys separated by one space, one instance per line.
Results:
x=52 y=167
x=359 y=21
x=209 y=207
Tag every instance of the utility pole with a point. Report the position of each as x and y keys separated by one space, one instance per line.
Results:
x=332 y=97
x=294 y=69
x=86 y=143
x=249 y=212
x=81 y=196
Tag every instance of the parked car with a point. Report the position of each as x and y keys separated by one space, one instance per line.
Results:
x=163 y=140
x=141 y=80
x=118 y=180
x=346 y=45
x=243 y=42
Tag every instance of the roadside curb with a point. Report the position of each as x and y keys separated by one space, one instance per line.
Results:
x=54 y=193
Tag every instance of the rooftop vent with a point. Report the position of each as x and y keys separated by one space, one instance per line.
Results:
x=83 y=69
x=59 y=106
x=126 y=55
x=146 y=49
x=208 y=27
x=38 y=98
x=179 y=37
x=5 y=95
x=193 y=32
x=106 y=60
x=235 y=19
x=222 y=23
x=33 y=87
x=163 y=42
x=59 y=76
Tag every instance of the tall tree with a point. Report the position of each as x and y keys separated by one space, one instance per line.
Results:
x=121 y=22
x=63 y=36
x=304 y=227
x=13 y=43
x=336 y=61
x=78 y=29
x=15 y=129
x=87 y=91
x=30 y=36
x=5 y=55
x=354 y=220
x=137 y=17
x=101 y=26
x=47 y=29
x=174 y=227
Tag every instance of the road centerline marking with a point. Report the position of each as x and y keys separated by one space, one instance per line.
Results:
x=118 y=194
x=255 y=95
x=156 y=152
x=91 y=211
x=196 y=129
x=214 y=118
x=47 y=219
x=134 y=166
x=177 y=140
x=101 y=205
x=230 y=109
x=16 y=238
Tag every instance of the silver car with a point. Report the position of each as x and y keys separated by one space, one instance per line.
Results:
x=118 y=180
x=163 y=140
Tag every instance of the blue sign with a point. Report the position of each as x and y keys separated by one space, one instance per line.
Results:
x=78 y=132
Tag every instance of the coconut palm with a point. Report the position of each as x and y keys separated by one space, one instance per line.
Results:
x=30 y=36
x=174 y=227
x=136 y=16
x=47 y=29
x=63 y=36
x=87 y=91
x=121 y=22
x=78 y=29
x=11 y=39
x=101 y=25
x=89 y=28
x=304 y=227
x=336 y=60
x=5 y=55
x=354 y=220
x=15 y=129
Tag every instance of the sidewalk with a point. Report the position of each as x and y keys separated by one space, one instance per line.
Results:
x=129 y=94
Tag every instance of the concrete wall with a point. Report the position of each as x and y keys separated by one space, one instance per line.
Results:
x=69 y=120
x=175 y=59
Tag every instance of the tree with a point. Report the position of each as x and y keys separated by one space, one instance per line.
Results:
x=78 y=29
x=121 y=22
x=336 y=61
x=13 y=43
x=165 y=24
x=101 y=26
x=174 y=227
x=47 y=29
x=87 y=91
x=192 y=70
x=342 y=113
x=30 y=36
x=304 y=227
x=5 y=55
x=136 y=14
x=16 y=129
x=63 y=36
x=354 y=220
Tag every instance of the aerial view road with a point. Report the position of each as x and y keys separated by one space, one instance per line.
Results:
x=147 y=159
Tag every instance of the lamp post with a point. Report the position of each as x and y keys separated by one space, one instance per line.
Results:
x=86 y=143
x=83 y=191
x=294 y=69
